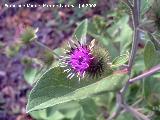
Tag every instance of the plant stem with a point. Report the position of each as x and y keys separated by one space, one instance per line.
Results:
x=135 y=18
x=145 y=74
x=121 y=103
x=135 y=113
x=47 y=48
x=118 y=106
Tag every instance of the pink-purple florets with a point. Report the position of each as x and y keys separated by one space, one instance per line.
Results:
x=80 y=59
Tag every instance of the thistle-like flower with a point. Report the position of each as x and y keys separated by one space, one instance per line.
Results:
x=82 y=59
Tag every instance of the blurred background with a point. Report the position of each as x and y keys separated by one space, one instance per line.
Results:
x=23 y=59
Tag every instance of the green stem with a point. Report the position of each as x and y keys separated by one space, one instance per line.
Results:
x=47 y=48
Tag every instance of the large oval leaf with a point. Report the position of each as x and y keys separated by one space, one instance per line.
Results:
x=54 y=88
x=151 y=56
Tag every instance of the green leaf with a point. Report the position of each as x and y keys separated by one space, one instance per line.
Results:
x=79 y=116
x=68 y=109
x=151 y=56
x=58 y=112
x=120 y=60
x=81 y=31
x=146 y=5
x=151 y=92
x=155 y=41
x=89 y=108
x=42 y=115
x=125 y=116
x=115 y=29
x=30 y=74
x=54 y=88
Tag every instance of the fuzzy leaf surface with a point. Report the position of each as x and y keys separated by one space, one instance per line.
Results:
x=54 y=88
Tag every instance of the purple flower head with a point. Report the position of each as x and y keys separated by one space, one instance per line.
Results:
x=80 y=59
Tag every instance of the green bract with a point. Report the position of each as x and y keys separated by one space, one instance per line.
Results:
x=28 y=35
